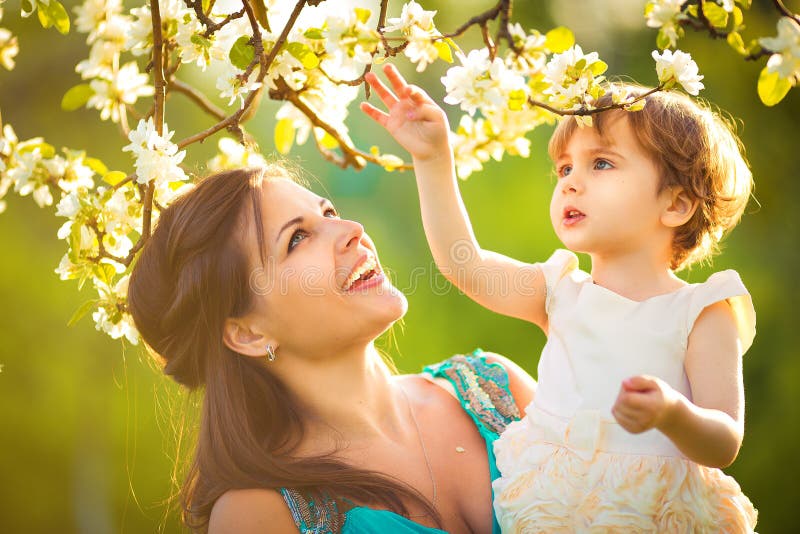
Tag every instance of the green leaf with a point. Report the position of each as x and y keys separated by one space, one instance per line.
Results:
x=362 y=14
x=44 y=16
x=284 y=136
x=207 y=4
x=771 y=87
x=692 y=10
x=200 y=40
x=738 y=17
x=444 y=51
x=105 y=272
x=76 y=97
x=242 y=53
x=96 y=165
x=304 y=54
x=745 y=3
x=82 y=310
x=559 y=39
x=737 y=43
x=60 y=16
x=598 y=67
x=114 y=177
x=662 y=41
x=314 y=33
x=45 y=149
x=54 y=14
x=260 y=11
x=715 y=14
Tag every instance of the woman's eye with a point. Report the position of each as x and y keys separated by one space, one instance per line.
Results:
x=564 y=170
x=297 y=236
x=331 y=212
x=602 y=165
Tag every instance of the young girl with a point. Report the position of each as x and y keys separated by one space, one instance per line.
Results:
x=640 y=398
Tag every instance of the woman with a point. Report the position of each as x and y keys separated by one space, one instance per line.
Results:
x=253 y=288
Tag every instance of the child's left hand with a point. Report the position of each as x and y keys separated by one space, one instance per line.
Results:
x=644 y=402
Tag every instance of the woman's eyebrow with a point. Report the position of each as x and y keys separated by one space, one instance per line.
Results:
x=297 y=220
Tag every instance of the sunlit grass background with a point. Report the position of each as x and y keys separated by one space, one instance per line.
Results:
x=88 y=427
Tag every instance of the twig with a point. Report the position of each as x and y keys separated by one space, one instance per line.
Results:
x=582 y=112
x=785 y=11
x=210 y=25
x=351 y=156
x=232 y=121
x=197 y=97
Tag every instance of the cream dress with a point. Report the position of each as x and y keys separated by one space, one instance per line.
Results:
x=567 y=466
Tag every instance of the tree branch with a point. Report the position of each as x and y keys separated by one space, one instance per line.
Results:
x=197 y=97
x=232 y=121
x=785 y=11
x=583 y=111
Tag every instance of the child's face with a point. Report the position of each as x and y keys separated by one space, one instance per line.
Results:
x=606 y=200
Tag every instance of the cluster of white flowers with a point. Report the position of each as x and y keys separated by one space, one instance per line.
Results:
x=665 y=15
x=8 y=46
x=481 y=82
x=157 y=160
x=574 y=78
x=112 y=87
x=109 y=316
x=678 y=68
x=349 y=43
x=786 y=47
x=424 y=40
x=33 y=167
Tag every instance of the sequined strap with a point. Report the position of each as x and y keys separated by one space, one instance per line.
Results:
x=482 y=388
x=312 y=517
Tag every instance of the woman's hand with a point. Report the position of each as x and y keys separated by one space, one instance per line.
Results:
x=413 y=118
x=645 y=402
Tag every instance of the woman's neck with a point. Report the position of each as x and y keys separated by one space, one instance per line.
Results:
x=351 y=394
x=637 y=276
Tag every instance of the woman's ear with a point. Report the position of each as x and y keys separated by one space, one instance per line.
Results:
x=679 y=207
x=240 y=337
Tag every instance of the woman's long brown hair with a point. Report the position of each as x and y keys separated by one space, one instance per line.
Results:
x=192 y=274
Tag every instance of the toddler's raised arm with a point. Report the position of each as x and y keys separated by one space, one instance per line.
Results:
x=495 y=281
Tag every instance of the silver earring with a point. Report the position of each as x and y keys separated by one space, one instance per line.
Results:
x=270 y=353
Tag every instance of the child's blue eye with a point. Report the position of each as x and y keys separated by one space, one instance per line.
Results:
x=602 y=164
x=564 y=170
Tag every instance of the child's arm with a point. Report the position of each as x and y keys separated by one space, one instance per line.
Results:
x=497 y=282
x=709 y=429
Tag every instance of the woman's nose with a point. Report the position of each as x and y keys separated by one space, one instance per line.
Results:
x=351 y=233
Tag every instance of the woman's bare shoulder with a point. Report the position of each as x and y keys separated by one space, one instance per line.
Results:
x=250 y=511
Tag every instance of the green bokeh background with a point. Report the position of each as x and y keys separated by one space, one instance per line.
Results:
x=88 y=426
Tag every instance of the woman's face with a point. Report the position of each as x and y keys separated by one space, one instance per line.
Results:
x=322 y=287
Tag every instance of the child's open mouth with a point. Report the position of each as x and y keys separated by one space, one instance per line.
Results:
x=573 y=216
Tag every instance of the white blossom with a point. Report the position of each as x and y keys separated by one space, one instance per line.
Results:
x=125 y=86
x=786 y=47
x=665 y=14
x=411 y=15
x=232 y=85
x=8 y=49
x=157 y=159
x=680 y=68
x=140 y=30
x=68 y=206
x=421 y=49
x=109 y=318
x=480 y=83
x=569 y=84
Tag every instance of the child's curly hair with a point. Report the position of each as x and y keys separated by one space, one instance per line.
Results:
x=696 y=149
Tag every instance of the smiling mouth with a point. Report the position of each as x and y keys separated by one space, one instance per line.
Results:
x=365 y=271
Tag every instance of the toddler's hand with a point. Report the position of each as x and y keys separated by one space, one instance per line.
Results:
x=644 y=402
x=413 y=118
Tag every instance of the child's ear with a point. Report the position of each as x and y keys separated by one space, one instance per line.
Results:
x=679 y=207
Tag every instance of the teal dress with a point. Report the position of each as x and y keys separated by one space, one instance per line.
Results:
x=482 y=389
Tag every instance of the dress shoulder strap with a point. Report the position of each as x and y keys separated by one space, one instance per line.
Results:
x=312 y=516
x=482 y=388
